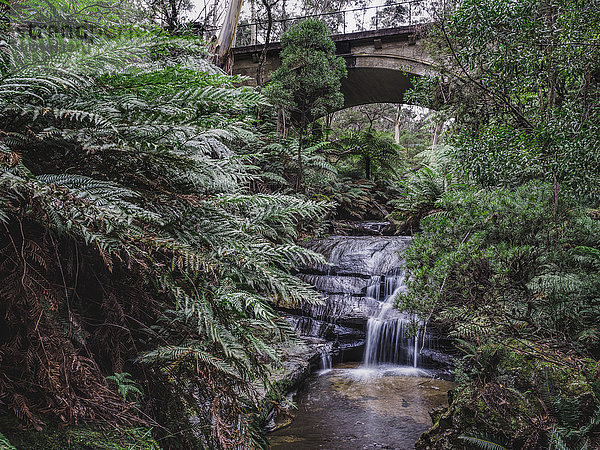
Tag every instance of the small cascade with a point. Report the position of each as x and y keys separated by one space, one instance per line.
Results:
x=388 y=337
x=374 y=289
x=325 y=361
x=360 y=282
x=388 y=341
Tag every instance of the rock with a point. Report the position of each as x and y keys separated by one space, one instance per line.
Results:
x=359 y=255
x=372 y=228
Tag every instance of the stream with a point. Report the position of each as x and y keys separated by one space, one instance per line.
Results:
x=379 y=371
x=352 y=407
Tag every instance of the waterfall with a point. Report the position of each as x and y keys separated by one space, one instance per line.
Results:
x=388 y=338
x=360 y=283
x=325 y=361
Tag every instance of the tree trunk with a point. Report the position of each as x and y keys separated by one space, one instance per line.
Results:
x=253 y=28
x=283 y=16
x=437 y=131
x=328 y=122
x=263 y=55
x=397 y=125
x=224 y=42
x=555 y=195
x=300 y=166
x=174 y=15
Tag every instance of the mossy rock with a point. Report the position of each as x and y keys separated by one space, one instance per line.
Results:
x=521 y=391
x=84 y=437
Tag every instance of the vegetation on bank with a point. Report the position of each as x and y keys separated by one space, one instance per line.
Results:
x=139 y=270
x=507 y=260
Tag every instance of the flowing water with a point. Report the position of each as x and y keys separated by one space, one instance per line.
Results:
x=364 y=277
x=384 y=401
x=325 y=361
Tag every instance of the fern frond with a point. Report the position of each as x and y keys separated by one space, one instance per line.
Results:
x=482 y=442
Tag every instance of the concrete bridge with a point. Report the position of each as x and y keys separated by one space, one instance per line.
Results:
x=381 y=62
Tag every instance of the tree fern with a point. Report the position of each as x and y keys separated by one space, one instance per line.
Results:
x=125 y=161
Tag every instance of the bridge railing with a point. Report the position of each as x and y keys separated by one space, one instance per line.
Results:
x=411 y=12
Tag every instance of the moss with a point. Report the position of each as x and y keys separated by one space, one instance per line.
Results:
x=83 y=437
x=518 y=391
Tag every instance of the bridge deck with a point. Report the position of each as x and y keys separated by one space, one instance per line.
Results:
x=396 y=34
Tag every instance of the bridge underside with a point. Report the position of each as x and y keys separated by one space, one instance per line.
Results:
x=374 y=85
x=380 y=64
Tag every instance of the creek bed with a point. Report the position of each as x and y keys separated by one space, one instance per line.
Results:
x=354 y=407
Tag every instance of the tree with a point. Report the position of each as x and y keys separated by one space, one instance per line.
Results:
x=224 y=41
x=170 y=12
x=376 y=151
x=522 y=82
x=308 y=82
x=508 y=263
x=263 y=54
x=391 y=14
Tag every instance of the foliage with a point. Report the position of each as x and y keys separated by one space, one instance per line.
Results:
x=376 y=152
x=498 y=257
x=125 y=385
x=392 y=14
x=378 y=116
x=522 y=83
x=276 y=164
x=339 y=184
x=330 y=8
x=508 y=264
x=130 y=242
x=5 y=443
x=522 y=393
x=308 y=80
x=420 y=192
x=170 y=12
x=492 y=266
x=84 y=437
x=482 y=442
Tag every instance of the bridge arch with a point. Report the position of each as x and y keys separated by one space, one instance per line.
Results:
x=380 y=63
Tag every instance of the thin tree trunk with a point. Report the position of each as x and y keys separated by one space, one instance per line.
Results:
x=300 y=165
x=437 y=131
x=279 y=123
x=253 y=23
x=263 y=55
x=172 y=18
x=328 y=122
x=283 y=16
x=555 y=194
x=397 y=125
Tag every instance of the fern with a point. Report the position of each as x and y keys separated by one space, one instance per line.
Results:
x=124 y=173
x=5 y=443
x=482 y=442
x=125 y=386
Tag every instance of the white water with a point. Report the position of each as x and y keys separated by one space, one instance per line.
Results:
x=325 y=361
x=361 y=283
x=388 y=332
